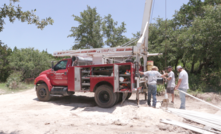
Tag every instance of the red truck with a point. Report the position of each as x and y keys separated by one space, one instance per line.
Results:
x=107 y=81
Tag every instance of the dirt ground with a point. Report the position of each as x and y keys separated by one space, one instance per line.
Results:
x=22 y=113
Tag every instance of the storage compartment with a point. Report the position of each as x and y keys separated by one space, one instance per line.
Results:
x=88 y=72
x=102 y=71
x=85 y=78
x=125 y=77
x=121 y=74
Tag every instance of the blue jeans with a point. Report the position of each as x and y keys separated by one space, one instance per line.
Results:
x=182 y=98
x=152 y=90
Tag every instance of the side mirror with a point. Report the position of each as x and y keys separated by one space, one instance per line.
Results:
x=52 y=65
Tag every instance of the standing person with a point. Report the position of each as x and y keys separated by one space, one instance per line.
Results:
x=182 y=85
x=152 y=84
x=170 y=82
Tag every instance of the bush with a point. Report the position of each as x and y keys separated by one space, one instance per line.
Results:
x=30 y=62
x=14 y=80
x=160 y=89
x=196 y=84
x=205 y=82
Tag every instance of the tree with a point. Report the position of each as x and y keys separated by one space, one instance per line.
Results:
x=5 y=51
x=193 y=41
x=205 y=41
x=113 y=34
x=165 y=40
x=29 y=61
x=25 y=16
x=132 y=41
x=194 y=8
x=89 y=32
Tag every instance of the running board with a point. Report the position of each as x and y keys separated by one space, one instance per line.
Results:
x=54 y=95
x=60 y=91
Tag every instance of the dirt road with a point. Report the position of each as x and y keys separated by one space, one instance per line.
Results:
x=22 y=113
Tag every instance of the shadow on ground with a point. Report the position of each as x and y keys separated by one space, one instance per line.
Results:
x=88 y=103
x=77 y=101
x=14 y=132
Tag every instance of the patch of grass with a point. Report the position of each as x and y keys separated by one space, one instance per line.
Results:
x=209 y=99
x=160 y=89
x=194 y=93
x=5 y=90
x=3 y=86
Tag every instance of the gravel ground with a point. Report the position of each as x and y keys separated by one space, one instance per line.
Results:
x=22 y=113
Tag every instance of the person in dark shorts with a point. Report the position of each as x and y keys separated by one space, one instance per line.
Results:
x=170 y=82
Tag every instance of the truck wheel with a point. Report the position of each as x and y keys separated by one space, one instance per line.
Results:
x=128 y=96
x=43 y=93
x=104 y=96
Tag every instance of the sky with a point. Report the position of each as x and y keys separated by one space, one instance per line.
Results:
x=54 y=37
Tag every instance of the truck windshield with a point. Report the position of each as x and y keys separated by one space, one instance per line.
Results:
x=61 y=65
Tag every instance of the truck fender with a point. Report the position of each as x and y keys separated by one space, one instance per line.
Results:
x=93 y=89
x=43 y=79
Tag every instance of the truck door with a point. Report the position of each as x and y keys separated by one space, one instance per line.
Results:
x=116 y=78
x=58 y=76
x=77 y=78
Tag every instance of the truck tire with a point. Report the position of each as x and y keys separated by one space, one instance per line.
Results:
x=128 y=96
x=104 y=96
x=43 y=93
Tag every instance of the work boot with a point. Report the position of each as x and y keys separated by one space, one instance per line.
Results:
x=148 y=103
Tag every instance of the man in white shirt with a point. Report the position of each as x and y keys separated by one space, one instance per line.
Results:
x=152 y=84
x=182 y=85
x=170 y=82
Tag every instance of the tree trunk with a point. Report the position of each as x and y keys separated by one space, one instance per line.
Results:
x=192 y=67
x=176 y=63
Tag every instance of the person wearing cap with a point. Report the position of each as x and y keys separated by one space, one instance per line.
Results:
x=152 y=84
x=170 y=82
x=182 y=85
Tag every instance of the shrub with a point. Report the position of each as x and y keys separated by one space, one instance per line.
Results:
x=14 y=80
x=30 y=62
x=160 y=89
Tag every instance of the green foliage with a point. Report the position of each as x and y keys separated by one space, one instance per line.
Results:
x=88 y=33
x=134 y=39
x=30 y=62
x=195 y=93
x=113 y=34
x=191 y=39
x=2 y=86
x=4 y=63
x=93 y=29
x=13 y=13
x=160 y=89
x=25 y=16
x=22 y=87
x=14 y=80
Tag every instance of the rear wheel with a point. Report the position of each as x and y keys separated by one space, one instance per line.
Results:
x=104 y=96
x=43 y=93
